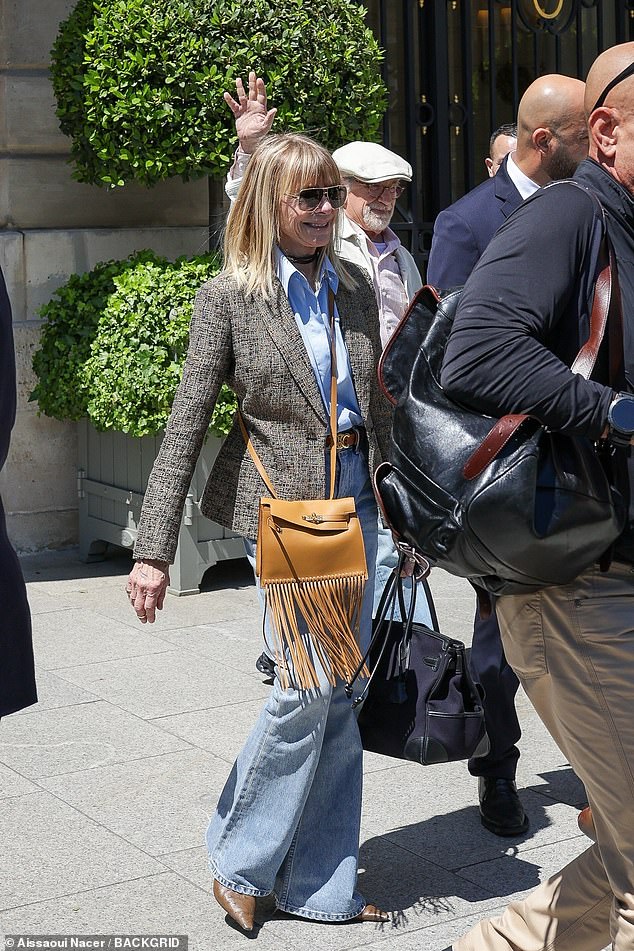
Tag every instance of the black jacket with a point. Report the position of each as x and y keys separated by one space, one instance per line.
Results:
x=524 y=312
x=17 y=678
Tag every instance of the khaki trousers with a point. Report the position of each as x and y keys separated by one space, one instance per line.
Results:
x=572 y=648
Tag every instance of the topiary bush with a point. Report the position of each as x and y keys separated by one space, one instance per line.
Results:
x=139 y=83
x=114 y=342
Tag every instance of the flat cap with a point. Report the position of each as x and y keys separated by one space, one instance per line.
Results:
x=370 y=163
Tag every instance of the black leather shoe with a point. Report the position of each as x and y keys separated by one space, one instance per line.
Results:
x=266 y=666
x=501 y=811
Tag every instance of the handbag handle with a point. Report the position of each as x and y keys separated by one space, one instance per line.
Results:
x=392 y=592
x=606 y=312
x=332 y=421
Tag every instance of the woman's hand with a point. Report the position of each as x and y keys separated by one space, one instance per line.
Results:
x=253 y=118
x=146 y=588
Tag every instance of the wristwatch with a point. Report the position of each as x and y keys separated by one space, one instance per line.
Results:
x=621 y=419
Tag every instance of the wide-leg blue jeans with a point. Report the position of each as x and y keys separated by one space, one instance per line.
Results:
x=288 y=819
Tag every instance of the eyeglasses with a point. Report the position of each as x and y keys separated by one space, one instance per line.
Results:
x=628 y=71
x=311 y=198
x=376 y=189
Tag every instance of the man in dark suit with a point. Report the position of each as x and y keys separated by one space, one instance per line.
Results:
x=551 y=141
x=503 y=140
x=17 y=676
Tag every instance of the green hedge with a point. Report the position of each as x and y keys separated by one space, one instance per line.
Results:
x=114 y=342
x=139 y=83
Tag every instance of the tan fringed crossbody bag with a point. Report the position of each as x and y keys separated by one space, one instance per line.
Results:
x=310 y=560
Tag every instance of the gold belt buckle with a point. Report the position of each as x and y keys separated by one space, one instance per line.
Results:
x=347 y=439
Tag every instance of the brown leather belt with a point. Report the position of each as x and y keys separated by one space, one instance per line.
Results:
x=347 y=439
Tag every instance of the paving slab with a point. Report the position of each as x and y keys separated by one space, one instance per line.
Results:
x=54 y=692
x=560 y=785
x=373 y=762
x=162 y=904
x=42 y=603
x=50 y=849
x=192 y=865
x=70 y=637
x=523 y=870
x=164 y=683
x=176 y=614
x=436 y=937
x=410 y=887
x=428 y=937
x=236 y=644
x=416 y=792
x=159 y=804
x=443 y=817
x=86 y=736
x=416 y=893
x=13 y=783
x=219 y=730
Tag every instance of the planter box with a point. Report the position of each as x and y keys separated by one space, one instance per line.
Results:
x=111 y=478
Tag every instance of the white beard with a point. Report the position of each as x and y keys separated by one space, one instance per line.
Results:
x=374 y=221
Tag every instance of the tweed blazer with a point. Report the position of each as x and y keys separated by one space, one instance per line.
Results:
x=255 y=346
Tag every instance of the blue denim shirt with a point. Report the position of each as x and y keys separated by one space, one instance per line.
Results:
x=313 y=321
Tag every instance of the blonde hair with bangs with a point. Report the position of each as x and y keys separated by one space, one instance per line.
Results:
x=280 y=166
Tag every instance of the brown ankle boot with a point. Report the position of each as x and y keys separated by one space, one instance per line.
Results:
x=239 y=907
x=372 y=913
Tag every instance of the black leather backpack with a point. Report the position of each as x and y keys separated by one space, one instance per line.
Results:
x=505 y=503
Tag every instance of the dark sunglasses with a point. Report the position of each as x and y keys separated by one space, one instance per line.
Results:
x=628 y=71
x=311 y=198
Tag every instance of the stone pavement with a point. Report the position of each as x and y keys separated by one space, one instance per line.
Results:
x=108 y=782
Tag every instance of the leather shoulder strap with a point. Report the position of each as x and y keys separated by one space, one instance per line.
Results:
x=256 y=459
x=333 y=393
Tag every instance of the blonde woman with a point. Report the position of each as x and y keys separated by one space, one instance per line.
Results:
x=288 y=819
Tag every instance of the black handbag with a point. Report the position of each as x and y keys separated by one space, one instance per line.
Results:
x=507 y=504
x=420 y=703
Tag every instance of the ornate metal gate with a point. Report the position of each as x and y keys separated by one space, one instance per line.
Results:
x=456 y=70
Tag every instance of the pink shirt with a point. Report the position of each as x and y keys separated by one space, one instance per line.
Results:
x=391 y=293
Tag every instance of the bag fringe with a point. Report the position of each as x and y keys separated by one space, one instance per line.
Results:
x=331 y=609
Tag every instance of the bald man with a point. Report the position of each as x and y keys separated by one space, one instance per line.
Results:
x=551 y=141
x=522 y=317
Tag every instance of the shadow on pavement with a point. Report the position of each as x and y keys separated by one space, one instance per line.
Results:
x=430 y=867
